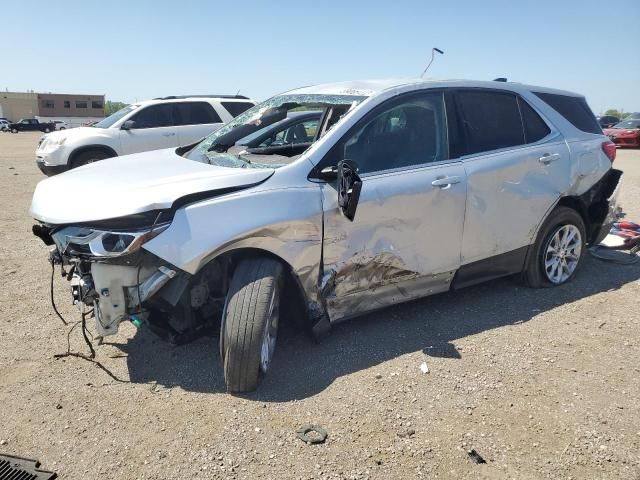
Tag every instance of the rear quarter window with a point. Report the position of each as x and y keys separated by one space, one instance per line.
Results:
x=236 y=108
x=574 y=109
x=534 y=127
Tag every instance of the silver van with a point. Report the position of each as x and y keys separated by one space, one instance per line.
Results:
x=402 y=189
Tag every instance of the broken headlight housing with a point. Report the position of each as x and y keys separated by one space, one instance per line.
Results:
x=90 y=242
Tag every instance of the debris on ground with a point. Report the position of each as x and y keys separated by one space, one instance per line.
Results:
x=312 y=434
x=475 y=457
x=424 y=367
x=407 y=433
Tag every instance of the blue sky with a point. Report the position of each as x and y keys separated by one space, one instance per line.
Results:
x=141 y=49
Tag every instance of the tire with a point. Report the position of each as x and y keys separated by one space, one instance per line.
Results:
x=548 y=266
x=250 y=319
x=14 y=130
x=88 y=157
x=47 y=130
x=63 y=128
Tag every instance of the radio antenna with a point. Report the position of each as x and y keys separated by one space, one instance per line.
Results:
x=433 y=55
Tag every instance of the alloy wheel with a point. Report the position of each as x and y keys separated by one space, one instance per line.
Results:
x=562 y=254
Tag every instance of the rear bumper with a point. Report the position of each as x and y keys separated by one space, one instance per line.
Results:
x=611 y=190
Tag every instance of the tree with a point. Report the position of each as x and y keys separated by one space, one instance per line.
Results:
x=112 y=107
x=617 y=113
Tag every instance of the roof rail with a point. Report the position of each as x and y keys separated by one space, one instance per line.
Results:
x=174 y=97
x=500 y=79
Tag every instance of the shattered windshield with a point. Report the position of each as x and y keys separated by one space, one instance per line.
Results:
x=224 y=147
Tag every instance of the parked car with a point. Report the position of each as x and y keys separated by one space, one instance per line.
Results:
x=408 y=189
x=4 y=125
x=31 y=125
x=607 y=121
x=140 y=127
x=625 y=134
x=60 y=125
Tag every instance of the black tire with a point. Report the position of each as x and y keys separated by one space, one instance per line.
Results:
x=536 y=274
x=253 y=293
x=88 y=157
x=14 y=130
x=47 y=130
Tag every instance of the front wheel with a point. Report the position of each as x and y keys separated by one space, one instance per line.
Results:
x=47 y=130
x=250 y=322
x=558 y=250
x=91 y=156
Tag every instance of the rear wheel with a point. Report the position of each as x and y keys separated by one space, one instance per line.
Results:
x=47 y=130
x=88 y=157
x=250 y=322
x=558 y=250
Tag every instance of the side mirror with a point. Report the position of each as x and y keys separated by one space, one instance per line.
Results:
x=128 y=125
x=349 y=187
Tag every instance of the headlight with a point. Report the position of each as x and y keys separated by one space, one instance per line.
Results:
x=89 y=242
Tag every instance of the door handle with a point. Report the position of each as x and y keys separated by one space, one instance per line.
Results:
x=445 y=182
x=168 y=134
x=547 y=158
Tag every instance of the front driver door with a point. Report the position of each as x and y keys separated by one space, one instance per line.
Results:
x=154 y=128
x=405 y=239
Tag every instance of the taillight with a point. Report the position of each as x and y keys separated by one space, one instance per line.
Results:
x=609 y=149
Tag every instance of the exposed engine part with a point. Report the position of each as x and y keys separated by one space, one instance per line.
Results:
x=199 y=294
x=148 y=288
x=82 y=289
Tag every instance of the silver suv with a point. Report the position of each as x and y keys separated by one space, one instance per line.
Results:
x=403 y=189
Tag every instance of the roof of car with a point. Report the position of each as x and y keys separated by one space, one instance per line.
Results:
x=368 y=88
x=182 y=98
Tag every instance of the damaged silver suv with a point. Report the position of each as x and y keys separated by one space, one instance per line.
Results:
x=402 y=189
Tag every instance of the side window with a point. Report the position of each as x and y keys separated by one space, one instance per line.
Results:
x=410 y=131
x=154 y=116
x=534 y=127
x=195 y=113
x=490 y=120
x=574 y=109
x=236 y=108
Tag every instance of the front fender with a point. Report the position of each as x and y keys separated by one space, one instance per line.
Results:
x=286 y=222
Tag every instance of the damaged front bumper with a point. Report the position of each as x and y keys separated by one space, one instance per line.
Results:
x=119 y=292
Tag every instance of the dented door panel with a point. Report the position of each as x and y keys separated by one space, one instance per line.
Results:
x=403 y=243
x=508 y=195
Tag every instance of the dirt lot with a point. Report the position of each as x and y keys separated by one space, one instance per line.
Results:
x=542 y=384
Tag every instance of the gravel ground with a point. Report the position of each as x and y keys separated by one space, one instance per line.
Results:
x=542 y=384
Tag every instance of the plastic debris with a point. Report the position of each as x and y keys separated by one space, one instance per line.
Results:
x=424 y=368
x=475 y=457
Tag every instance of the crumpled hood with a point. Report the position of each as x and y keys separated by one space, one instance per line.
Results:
x=132 y=184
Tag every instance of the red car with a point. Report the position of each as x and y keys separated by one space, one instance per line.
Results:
x=625 y=134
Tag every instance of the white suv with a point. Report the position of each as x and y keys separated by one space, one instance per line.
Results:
x=150 y=125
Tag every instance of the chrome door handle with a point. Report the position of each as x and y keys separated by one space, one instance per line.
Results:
x=445 y=182
x=547 y=158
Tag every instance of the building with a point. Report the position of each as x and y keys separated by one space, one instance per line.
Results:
x=72 y=109
x=17 y=105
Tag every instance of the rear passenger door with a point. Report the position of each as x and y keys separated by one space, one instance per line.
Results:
x=516 y=165
x=194 y=121
x=153 y=129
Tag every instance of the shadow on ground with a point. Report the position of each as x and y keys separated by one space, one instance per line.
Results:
x=303 y=368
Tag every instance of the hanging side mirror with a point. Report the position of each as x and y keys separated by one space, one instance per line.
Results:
x=349 y=187
x=128 y=125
